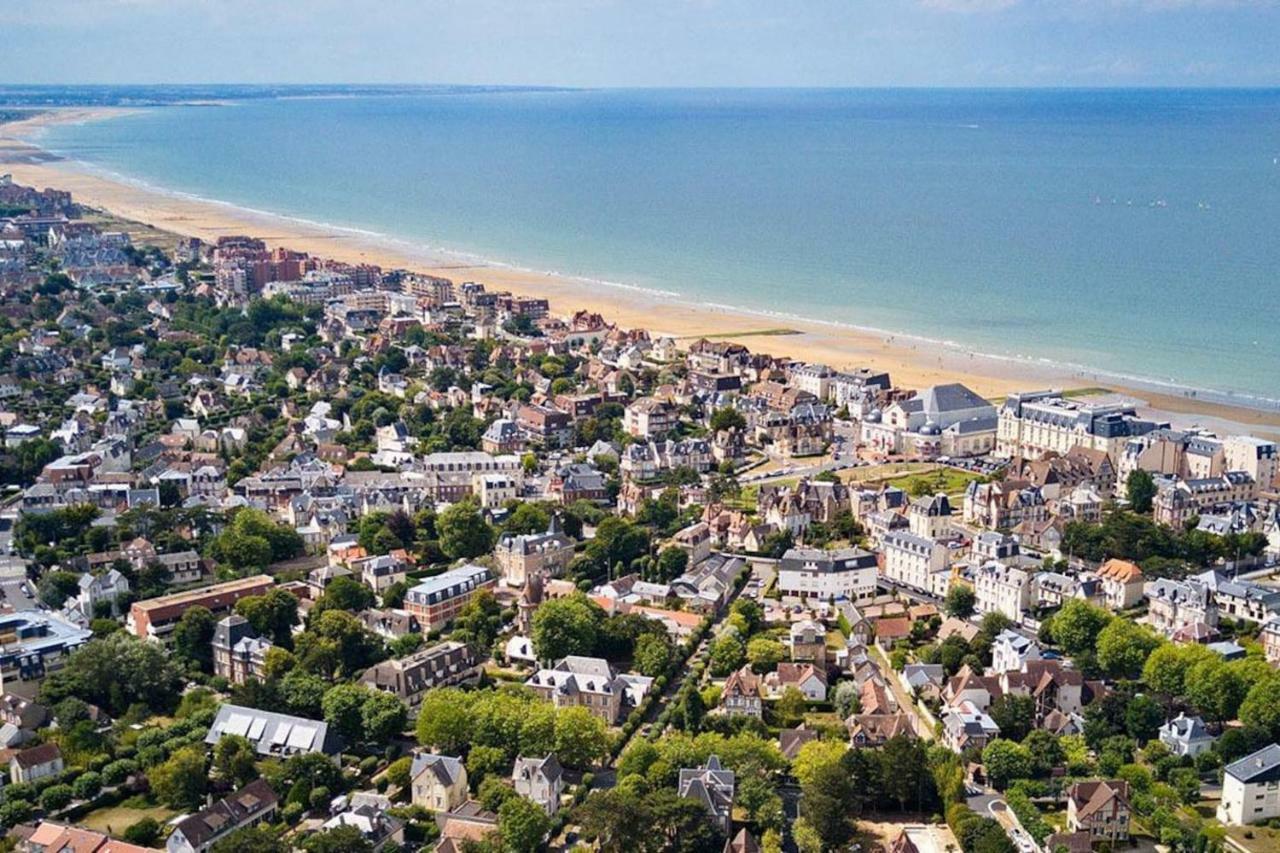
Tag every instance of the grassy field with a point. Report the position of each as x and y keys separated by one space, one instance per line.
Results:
x=116 y=819
x=1264 y=840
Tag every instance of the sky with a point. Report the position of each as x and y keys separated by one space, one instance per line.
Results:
x=608 y=43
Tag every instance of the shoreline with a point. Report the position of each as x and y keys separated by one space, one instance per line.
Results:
x=912 y=361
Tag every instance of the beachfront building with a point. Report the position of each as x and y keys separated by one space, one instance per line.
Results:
x=942 y=420
x=1034 y=423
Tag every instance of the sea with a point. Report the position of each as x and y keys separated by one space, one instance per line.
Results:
x=1120 y=234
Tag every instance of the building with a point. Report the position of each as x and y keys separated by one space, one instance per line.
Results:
x=437 y=782
x=1251 y=788
x=1186 y=736
x=741 y=694
x=36 y=763
x=848 y=573
x=253 y=804
x=582 y=682
x=1174 y=606
x=1000 y=588
x=1100 y=808
x=108 y=587
x=1031 y=424
x=1241 y=599
x=540 y=780
x=1121 y=583
x=1010 y=652
x=442 y=665
x=155 y=618
x=438 y=600
x=50 y=837
x=546 y=553
x=649 y=417
x=713 y=786
x=34 y=643
x=21 y=713
x=272 y=734
x=238 y=652
x=380 y=572
x=912 y=560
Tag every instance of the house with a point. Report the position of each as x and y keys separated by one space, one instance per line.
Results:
x=1010 y=652
x=540 y=780
x=741 y=694
x=21 y=713
x=50 y=837
x=1174 y=606
x=239 y=654
x=1100 y=808
x=106 y=587
x=849 y=573
x=871 y=730
x=713 y=786
x=273 y=734
x=380 y=572
x=805 y=677
x=438 y=600
x=253 y=804
x=790 y=741
x=437 y=782
x=1121 y=583
x=1186 y=736
x=468 y=823
x=546 y=553
x=577 y=681
x=409 y=678
x=366 y=812
x=966 y=727
x=29 y=765
x=1251 y=788
x=1002 y=588
x=808 y=642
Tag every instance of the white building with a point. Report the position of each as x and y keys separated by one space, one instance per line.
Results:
x=912 y=560
x=827 y=575
x=1000 y=588
x=1251 y=788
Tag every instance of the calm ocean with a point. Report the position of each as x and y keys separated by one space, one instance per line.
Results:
x=1132 y=232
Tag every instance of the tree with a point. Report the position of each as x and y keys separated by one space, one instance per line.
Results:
x=343 y=593
x=192 y=637
x=582 y=738
x=1077 y=625
x=824 y=805
x=652 y=654
x=272 y=615
x=672 y=562
x=181 y=781
x=463 y=532
x=444 y=720
x=790 y=707
x=725 y=419
x=961 y=601
x=1124 y=647
x=1261 y=707
x=814 y=755
x=566 y=626
x=262 y=838
x=382 y=716
x=727 y=654
x=522 y=824
x=847 y=699
x=1014 y=714
x=234 y=759
x=1166 y=668
x=1005 y=761
x=340 y=839
x=116 y=672
x=765 y=653
x=1143 y=718
x=342 y=705
x=1216 y=689
x=144 y=833
x=1140 y=490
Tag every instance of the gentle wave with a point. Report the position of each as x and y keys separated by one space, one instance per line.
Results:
x=445 y=256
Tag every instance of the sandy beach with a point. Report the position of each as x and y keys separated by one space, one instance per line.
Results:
x=911 y=362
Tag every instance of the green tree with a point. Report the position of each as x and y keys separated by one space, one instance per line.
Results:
x=566 y=626
x=653 y=654
x=272 y=615
x=1077 y=625
x=962 y=601
x=727 y=655
x=181 y=781
x=1014 y=714
x=193 y=635
x=463 y=532
x=790 y=708
x=115 y=673
x=235 y=760
x=1261 y=707
x=1005 y=761
x=1140 y=490
x=342 y=705
x=824 y=806
x=522 y=824
x=262 y=838
x=1216 y=689
x=764 y=654
x=1124 y=647
x=340 y=839
x=144 y=833
x=582 y=739
x=444 y=720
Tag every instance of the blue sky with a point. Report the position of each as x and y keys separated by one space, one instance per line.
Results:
x=646 y=42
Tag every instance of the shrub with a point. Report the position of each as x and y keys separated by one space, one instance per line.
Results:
x=56 y=797
x=87 y=785
x=114 y=773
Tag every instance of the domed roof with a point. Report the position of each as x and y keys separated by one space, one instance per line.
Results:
x=872 y=416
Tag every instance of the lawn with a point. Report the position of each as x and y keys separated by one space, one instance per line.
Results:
x=1264 y=840
x=114 y=820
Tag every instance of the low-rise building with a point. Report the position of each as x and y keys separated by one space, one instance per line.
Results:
x=272 y=734
x=437 y=782
x=540 y=780
x=1186 y=736
x=155 y=618
x=848 y=573
x=1100 y=808
x=438 y=600
x=238 y=652
x=713 y=786
x=519 y=555
x=253 y=804
x=1251 y=788
x=38 y=762
x=410 y=677
x=583 y=682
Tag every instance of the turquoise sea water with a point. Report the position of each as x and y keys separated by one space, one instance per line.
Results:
x=1133 y=232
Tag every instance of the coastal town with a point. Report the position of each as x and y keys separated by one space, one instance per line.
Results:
x=304 y=555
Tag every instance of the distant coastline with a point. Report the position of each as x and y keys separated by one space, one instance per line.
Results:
x=915 y=360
